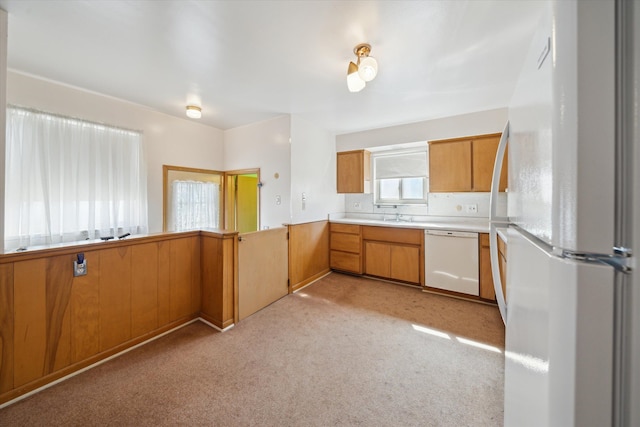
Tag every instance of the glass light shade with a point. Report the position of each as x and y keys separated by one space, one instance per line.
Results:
x=354 y=81
x=368 y=68
x=194 y=112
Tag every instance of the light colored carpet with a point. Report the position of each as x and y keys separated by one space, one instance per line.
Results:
x=343 y=351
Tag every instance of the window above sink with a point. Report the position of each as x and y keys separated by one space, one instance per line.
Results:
x=400 y=177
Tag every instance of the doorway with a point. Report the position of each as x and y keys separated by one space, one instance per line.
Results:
x=242 y=200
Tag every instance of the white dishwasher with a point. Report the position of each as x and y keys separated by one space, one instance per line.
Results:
x=451 y=261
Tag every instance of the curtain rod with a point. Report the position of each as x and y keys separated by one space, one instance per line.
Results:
x=61 y=116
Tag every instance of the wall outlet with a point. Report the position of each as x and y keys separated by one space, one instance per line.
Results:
x=80 y=266
x=471 y=208
x=356 y=205
x=278 y=200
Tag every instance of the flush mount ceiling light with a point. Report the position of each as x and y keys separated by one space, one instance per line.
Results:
x=194 y=112
x=364 y=71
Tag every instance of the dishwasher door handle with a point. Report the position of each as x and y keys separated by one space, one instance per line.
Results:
x=448 y=233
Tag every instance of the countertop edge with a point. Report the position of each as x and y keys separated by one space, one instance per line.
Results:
x=477 y=226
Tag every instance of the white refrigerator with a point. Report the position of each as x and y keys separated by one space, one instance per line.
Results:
x=572 y=304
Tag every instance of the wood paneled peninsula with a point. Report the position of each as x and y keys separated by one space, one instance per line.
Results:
x=53 y=323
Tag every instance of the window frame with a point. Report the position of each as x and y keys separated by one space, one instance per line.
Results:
x=187 y=173
x=377 y=200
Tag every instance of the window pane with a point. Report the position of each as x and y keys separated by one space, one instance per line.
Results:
x=413 y=188
x=389 y=189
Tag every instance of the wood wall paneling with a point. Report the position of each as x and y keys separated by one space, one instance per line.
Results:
x=144 y=288
x=219 y=279
x=58 y=291
x=196 y=278
x=230 y=281
x=85 y=310
x=308 y=252
x=164 y=282
x=52 y=323
x=115 y=297
x=6 y=327
x=212 y=284
x=180 y=285
x=30 y=317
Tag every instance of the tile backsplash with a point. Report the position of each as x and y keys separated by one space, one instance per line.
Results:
x=439 y=204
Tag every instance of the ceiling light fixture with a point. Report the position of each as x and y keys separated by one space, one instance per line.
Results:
x=364 y=71
x=354 y=81
x=194 y=112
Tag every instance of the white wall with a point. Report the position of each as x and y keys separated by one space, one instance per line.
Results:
x=313 y=172
x=265 y=145
x=439 y=204
x=490 y=121
x=168 y=140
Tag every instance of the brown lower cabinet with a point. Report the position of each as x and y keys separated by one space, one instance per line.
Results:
x=345 y=247
x=387 y=252
x=393 y=261
x=394 y=253
x=487 y=290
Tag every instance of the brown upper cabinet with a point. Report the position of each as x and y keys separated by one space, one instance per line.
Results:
x=464 y=164
x=354 y=171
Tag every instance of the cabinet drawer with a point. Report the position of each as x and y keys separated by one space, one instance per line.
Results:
x=345 y=242
x=345 y=261
x=344 y=228
x=393 y=234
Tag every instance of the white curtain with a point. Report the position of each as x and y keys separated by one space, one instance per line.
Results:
x=195 y=205
x=69 y=180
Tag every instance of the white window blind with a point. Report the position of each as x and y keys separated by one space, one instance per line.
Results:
x=400 y=178
x=69 y=180
x=406 y=165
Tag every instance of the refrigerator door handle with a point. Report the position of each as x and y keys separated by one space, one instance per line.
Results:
x=494 y=221
x=495 y=180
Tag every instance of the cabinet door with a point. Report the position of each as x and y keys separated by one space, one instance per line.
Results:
x=353 y=171
x=486 y=277
x=405 y=263
x=484 y=155
x=450 y=166
x=377 y=259
x=502 y=251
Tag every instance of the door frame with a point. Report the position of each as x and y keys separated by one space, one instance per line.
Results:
x=238 y=172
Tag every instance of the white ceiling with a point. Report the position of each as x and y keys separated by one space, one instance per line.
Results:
x=247 y=61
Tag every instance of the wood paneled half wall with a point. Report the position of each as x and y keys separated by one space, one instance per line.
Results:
x=308 y=253
x=52 y=323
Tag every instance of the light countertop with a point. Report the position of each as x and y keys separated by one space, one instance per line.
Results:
x=476 y=225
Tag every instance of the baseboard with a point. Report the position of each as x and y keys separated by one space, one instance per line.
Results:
x=311 y=280
x=206 y=322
